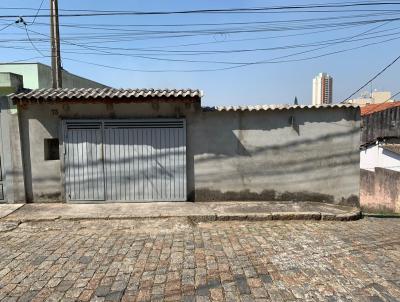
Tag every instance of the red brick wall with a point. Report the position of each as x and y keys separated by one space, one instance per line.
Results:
x=380 y=190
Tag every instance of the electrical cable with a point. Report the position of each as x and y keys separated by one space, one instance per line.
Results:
x=7 y=26
x=89 y=13
x=37 y=13
x=241 y=64
x=373 y=78
x=22 y=21
x=233 y=51
x=226 y=68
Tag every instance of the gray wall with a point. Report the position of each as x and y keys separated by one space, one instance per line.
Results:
x=43 y=121
x=69 y=80
x=230 y=155
x=262 y=156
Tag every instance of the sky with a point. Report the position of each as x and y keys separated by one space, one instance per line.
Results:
x=162 y=42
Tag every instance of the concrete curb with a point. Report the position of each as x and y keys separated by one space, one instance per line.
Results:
x=283 y=216
x=381 y=215
x=14 y=207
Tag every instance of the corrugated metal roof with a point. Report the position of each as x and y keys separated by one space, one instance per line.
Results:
x=87 y=94
x=275 y=107
x=372 y=108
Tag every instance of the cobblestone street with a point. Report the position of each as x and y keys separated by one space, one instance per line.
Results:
x=177 y=260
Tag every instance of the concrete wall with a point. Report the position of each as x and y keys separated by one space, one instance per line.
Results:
x=380 y=190
x=261 y=155
x=9 y=82
x=306 y=154
x=13 y=170
x=38 y=122
x=69 y=80
x=10 y=144
x=29 y=73
x=37 y=75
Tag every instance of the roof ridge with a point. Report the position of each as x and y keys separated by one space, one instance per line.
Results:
x=54 y=94
x=273 y=107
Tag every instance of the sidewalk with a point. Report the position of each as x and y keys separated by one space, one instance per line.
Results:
x=198 y=211
x=7 y=209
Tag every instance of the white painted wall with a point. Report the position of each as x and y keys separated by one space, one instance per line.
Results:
x=375 y=156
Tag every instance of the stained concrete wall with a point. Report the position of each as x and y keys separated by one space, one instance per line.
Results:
x=10 y=143
x=39 y=122
x=302 y=154
x=380 y=190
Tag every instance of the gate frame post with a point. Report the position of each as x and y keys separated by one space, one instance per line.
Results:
x=61 y=133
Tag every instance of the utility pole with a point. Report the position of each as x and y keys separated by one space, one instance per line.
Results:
x=55 y=46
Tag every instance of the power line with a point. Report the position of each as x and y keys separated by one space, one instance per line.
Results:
x=144 y=35
x=393 y=96
x=37 y=13
x=239 y=64
x=373 y=78
x=24 y=60
x=7 y=26
x=228 y=68
x=168 y=34
x=291 y=21
x=376 y=2
x=89 y=13
x=33 y=45
x=160 y=52
x=142 y=57
x=22 y=21
x=204 y=43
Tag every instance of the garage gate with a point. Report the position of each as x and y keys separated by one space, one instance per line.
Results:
x=125 y=160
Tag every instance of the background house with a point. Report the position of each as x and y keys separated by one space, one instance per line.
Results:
x=374 y=97
x=38 y=75
x=380 y=157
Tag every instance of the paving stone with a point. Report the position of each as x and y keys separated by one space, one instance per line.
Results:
x=102 y=291
x=114 y=296
x=63 y=286
x=28 y=296
x=242 y=285
x=155 y=260
x=216 y=294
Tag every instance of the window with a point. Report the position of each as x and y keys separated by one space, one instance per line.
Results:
x=51 y=149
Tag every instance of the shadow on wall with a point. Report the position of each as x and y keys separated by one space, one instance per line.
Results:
x=283 y=161
x=219 y=129
x=262 y=156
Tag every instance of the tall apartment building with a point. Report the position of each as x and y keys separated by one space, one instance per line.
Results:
x=322 y=89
